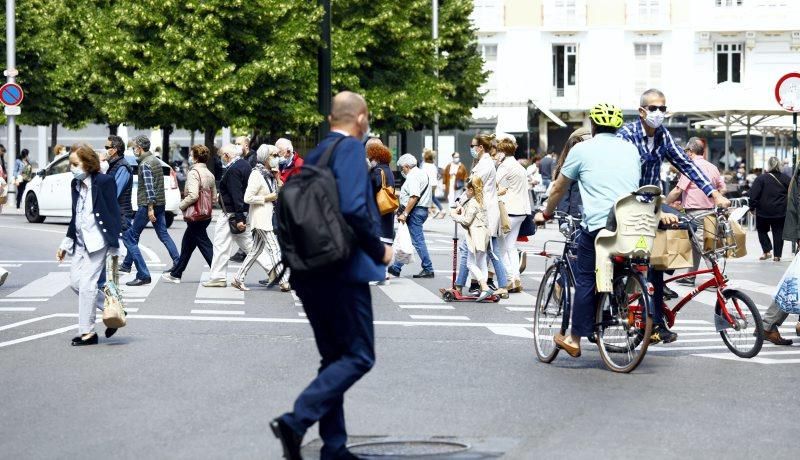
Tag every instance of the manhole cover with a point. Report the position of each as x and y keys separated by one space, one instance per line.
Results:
x=407 y=448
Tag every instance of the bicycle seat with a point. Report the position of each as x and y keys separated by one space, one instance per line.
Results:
x=630 y=231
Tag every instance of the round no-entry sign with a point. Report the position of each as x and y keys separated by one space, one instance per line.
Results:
x=787 y=92
x=11 y=94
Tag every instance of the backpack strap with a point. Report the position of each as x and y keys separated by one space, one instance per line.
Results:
x=327 y=156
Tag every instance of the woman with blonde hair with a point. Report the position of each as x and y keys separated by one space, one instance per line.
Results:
x=472 y=216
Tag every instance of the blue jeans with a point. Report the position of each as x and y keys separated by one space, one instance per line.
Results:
x=131 y=240
x=585 y=300
x=497 y=264
x=415 y=222
x=340 y=314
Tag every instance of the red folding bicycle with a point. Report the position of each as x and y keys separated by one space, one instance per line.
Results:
x=736 y=318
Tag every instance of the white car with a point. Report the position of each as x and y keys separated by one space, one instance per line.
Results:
x=48 y=194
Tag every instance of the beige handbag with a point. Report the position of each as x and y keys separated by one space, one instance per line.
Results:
x=113 y=308
x=388 y=202
x=505 y=222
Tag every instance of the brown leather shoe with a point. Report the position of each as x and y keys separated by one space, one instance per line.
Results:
x=572 y=350
x=775 y=337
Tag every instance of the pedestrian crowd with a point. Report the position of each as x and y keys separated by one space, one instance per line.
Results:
x=492 y=206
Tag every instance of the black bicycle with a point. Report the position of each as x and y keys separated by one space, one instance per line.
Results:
x=623 y=318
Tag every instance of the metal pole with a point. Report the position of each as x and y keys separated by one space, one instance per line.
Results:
x=324 y=96
x=727 y=139
x=435 y=7
x=794 y=141
x=11 y=64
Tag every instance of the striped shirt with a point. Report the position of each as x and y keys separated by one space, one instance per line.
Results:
x=664 y=147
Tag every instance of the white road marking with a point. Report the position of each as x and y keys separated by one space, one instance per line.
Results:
x=691 y=321
x=46 y=286
x=151 y=256
x=522 y=298
x=301 y=314
x=440 y=317
x=28 y=321
x=137 y=291
x=217 y=312
x=219 y=302
x=407 y=291
x=132 y=310
x=23 y=300
x=2 y=309
x=38 y=336
x=525 y=309
x=126 y=300
x=10 y=265
x=513 y=331
x=426 y=307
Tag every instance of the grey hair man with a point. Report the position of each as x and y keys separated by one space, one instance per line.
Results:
x=415 y=199
x=231 y=226
x=150 y=200
x=694 y=200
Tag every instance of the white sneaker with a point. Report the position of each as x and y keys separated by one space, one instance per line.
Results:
x=170 y=279
x=216 y=283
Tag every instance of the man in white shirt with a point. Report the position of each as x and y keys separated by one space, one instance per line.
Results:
x=415 y=199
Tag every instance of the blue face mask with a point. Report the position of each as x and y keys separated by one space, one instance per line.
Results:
x=78 y=172
x=284 y=162
x=474 y=152
x=365 y=136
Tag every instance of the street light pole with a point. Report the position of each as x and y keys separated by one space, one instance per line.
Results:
x=324 y=70
x=435 y=7
x=11 y=64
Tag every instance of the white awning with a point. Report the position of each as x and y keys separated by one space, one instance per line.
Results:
x=552 y=116
x=512 y=119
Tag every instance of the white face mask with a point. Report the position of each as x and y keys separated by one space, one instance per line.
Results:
x=654 y=119
x=273 y=162
x=78 y=172
x=456 y=160
x=104 y=166
x=373 y=163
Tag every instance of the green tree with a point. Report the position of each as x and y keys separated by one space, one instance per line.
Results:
x=50 y=57
x=385 y=50
x=203 y=64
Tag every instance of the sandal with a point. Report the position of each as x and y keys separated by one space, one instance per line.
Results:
x=767 y=255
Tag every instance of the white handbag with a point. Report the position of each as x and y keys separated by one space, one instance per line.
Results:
x=113 y=307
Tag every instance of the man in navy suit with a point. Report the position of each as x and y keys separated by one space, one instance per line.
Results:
x=339 y=305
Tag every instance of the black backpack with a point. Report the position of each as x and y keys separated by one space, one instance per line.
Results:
x=312 y=232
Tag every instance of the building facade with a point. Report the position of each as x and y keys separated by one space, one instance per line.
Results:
x=551 y=60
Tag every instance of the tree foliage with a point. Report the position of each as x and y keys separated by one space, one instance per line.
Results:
x=204 y=64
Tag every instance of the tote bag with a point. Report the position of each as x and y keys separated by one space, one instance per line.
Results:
x=386 y=197
x=201 y=209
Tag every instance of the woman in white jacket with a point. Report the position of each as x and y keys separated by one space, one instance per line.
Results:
x=261 y=192
x=512 y=188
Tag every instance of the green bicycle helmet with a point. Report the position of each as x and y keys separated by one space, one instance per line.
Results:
x=606 y=115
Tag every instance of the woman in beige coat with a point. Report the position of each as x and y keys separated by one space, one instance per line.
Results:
x=472 y=216
x=195 y=236
x=261 y=192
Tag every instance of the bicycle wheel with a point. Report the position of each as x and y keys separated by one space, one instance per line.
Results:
x=547 y=315
x=623 y=325
x=744 y=338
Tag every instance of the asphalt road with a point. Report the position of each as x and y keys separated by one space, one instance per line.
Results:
x=198 y=373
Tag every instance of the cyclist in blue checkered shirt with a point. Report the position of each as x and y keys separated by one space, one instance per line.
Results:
x=655 y=145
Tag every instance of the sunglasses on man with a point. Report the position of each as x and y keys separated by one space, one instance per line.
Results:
x=653 y=108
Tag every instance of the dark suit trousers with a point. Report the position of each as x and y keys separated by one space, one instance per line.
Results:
x=341 y=316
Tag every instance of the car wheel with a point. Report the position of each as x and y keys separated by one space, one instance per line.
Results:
x=32 y=209
x=169 y=218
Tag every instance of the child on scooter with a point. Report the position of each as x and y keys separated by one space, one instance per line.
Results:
x=472 y=216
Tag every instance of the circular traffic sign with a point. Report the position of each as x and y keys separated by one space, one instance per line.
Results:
x=787 y=92
x=11 y=94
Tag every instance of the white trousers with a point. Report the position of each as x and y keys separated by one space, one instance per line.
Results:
x=508 y=248
x=84 y=274
x=223 y=246
x=265 y=251
x=476 y=262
